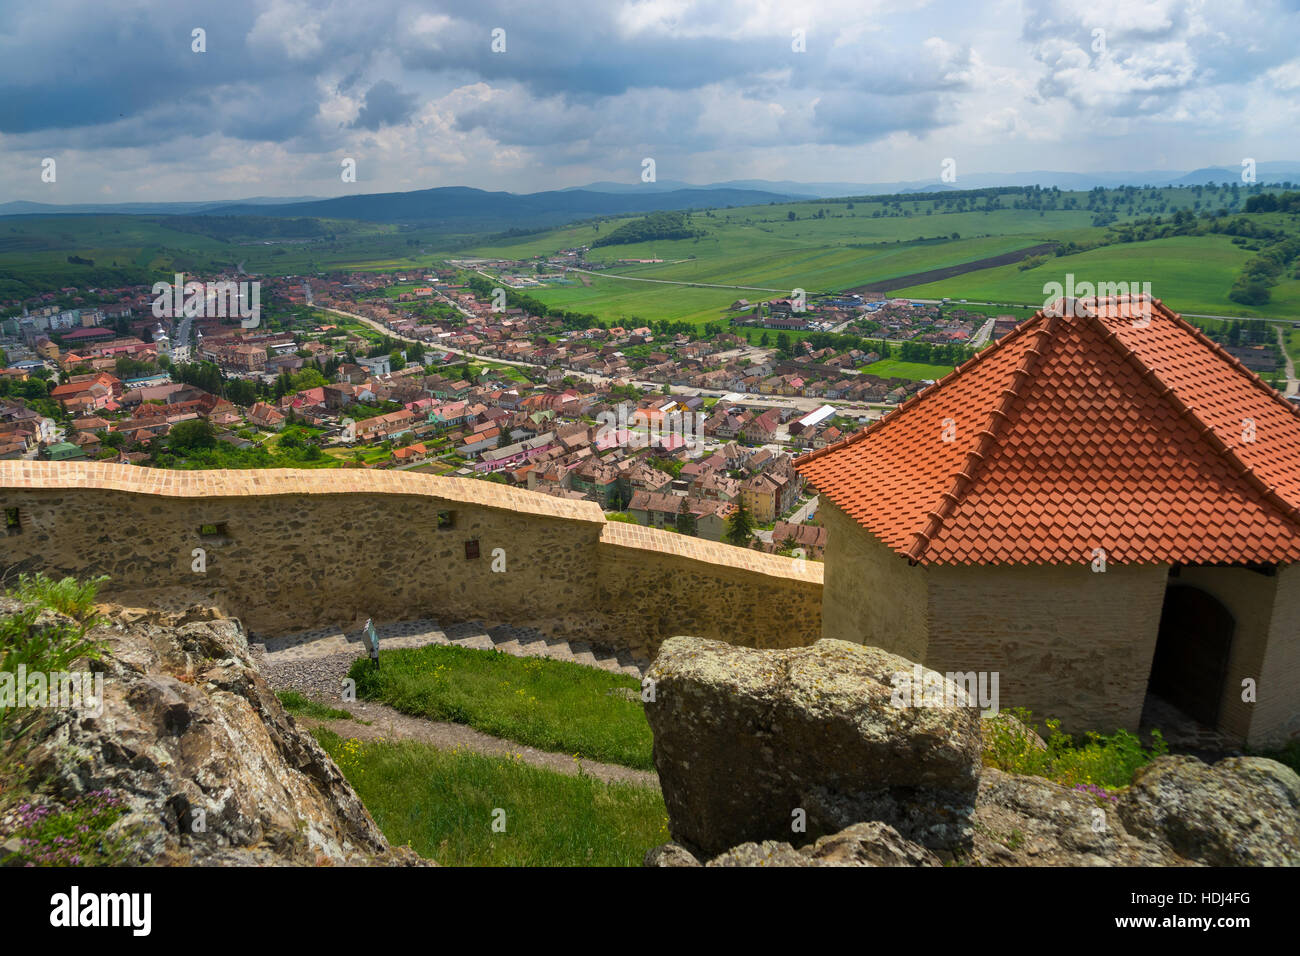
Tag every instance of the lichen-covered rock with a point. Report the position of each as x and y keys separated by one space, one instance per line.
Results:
x=1029 y=821
x=869 y=844
x=789 y=745
x=1242 y=811
x=670 y=854
x=767 y=853
x=210 y=767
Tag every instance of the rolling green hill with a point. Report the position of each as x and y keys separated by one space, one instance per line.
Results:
x=752 y=252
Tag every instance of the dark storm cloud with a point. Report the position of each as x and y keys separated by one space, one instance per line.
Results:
x=385 y=105
x=114 y=69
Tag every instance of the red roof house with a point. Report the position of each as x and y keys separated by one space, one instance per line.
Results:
x=1103 y=499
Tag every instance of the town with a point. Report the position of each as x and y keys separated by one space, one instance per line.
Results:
x=438 y=372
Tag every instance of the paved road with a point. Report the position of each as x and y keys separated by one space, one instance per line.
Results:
x=1039 y=305
x=1291 y=384
x=984 y=333
x=804 y=511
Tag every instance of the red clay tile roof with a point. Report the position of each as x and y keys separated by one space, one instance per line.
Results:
x=1078 y=432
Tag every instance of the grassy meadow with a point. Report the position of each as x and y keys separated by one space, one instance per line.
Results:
x=551 y=705
x=468 y=809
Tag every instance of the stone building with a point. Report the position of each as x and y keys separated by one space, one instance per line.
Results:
x=1104 y=504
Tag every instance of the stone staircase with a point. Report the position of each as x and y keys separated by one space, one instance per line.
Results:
x=503 y=638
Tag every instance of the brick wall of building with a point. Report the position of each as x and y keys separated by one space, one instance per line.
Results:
x=1068 y=643
x=1277 y=717
x=871 y=595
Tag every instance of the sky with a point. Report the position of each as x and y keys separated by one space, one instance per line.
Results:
x=523 y=97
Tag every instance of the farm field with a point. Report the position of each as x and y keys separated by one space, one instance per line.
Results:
x=767 y=265
x=896 y=368
x=828 y=246
x=1190 y=273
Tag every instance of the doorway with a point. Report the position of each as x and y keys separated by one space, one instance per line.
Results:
x=1191 y=658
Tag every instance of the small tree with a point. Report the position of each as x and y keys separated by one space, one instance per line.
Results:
x=741 y=527
x=685 y=520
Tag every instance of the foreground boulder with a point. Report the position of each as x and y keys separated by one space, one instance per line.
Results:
x=200 y=753
x=863 y=844
x=790 y=745
x=745 y=740
x=1242 y=811
x=1179 y=812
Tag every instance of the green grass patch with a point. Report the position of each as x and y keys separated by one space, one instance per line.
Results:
x=1189 y=273
x=443 y=804
x=296 y=703
x=43 y=647
x=551 y=705
x=1094 y=762
x=897 y=368
x=1291 y=342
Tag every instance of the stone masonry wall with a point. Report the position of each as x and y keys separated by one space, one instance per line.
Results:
x=1067 y=642
x=872 y=595
x=1276 y=718
x=657 y=585
x=297 y=549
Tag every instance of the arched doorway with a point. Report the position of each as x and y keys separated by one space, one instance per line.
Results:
x=1191 y=658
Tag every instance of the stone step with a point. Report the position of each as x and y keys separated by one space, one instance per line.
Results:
x=582 y=653
x=515 y=640
x=479 y=641
x=557 y=650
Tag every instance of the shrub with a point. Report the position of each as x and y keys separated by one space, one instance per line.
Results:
x=45 y=647
x=68 y=596
x=1095 y=761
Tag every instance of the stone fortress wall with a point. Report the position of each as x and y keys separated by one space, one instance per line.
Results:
x=287 y=550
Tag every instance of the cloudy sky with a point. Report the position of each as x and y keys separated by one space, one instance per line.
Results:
x=882 y=90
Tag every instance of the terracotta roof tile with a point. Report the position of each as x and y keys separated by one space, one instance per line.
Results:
x=1120 y=427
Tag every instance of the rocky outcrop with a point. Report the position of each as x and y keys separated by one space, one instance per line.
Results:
x=194 y=743
x=791 y=745
x=742 y=735
x=1242 y=811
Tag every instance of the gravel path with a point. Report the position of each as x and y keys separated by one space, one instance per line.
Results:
x=320 y=679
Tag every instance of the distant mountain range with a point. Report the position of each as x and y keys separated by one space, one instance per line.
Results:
x=462 y=209
x=1266 y=172
x=23 y=208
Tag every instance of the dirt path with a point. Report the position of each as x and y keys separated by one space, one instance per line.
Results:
x=385 y=723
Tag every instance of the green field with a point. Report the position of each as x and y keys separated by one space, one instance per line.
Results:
x=828 y=246
x=773 y=268
x=896 y=368
x=444 y=804
x=551 y=705
x=1189 y=273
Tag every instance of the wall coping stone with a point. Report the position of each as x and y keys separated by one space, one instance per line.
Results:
x=237 y=483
